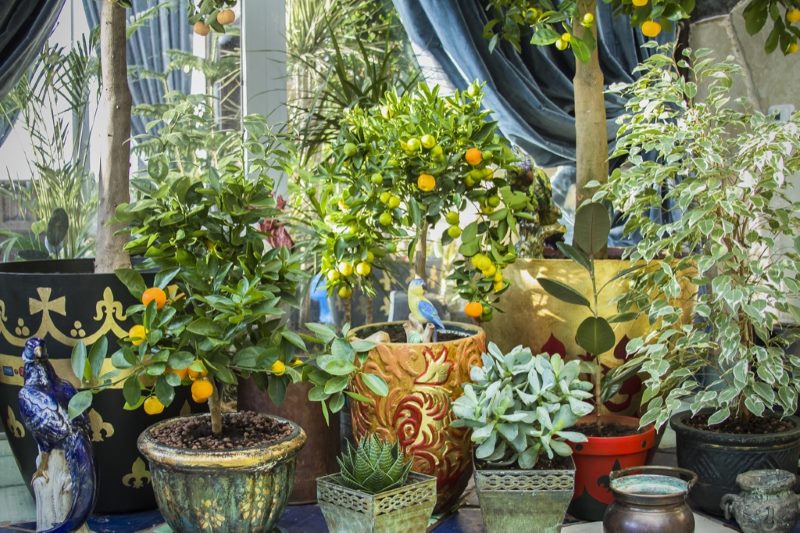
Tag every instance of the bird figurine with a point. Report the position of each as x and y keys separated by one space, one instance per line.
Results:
x=43 y=402
x=422 y=312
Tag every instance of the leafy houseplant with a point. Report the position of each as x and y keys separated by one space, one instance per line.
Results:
x=729 y=172
x=520 y=408
x=376 y=490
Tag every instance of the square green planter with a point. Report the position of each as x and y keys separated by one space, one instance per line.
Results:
x=524 y=500
x=401 y=510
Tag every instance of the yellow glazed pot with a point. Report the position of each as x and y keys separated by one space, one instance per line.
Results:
x=533 y=318
x=424 y=379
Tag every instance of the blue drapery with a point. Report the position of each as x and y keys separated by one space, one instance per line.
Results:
x=25 y=25
x=147 y=51
x=529 y=93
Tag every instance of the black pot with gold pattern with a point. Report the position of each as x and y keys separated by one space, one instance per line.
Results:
x=64 y=302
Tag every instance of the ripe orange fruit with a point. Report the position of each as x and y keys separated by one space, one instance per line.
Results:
x=194 y=374
x=363 y=269
x=296 y=361
x=156 y=294
x=153 y=406
x=474 y=309
x=426 y=182
x=793 y=16
x=651 y=28
x=792 y=48
x=473 y=156
x=346 y=268
x=278 y=368
x=201 y=28
x=345 y=292
x=182 y=373
x=226 y=16
x=202 y=389
x=640 y=3
x=137 y=334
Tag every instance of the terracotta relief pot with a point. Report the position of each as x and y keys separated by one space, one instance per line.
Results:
x=424 y=380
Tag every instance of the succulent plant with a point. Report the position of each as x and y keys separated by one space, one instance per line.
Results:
x=519 y=406
x=373 y=467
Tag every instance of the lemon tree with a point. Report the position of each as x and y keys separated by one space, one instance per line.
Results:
x=398 y=169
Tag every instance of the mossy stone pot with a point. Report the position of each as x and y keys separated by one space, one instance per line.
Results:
x=406 y=509
x=228 y=490
x=525 y=500
x=424 y=380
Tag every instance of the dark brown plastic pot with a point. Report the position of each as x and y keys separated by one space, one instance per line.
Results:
x=318 y=456
x=718 y=458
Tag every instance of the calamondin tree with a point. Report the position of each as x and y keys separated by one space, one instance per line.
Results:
x=402 y=167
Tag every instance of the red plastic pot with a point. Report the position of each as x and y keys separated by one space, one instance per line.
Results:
x=597 y=458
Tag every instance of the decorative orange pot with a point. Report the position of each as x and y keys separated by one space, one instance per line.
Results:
x=424 y=380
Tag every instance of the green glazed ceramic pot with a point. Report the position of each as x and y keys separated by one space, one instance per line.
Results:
x=228 y=490
x=403 y=510
x=524 y=500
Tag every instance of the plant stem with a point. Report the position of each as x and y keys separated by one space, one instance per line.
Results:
x=115 y=155
x=591 y=141
x=420 y=258
x=215 y=408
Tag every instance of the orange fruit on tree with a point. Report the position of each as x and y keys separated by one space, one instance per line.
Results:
x=194 y=374
x=201 y=28
x=345 y=292
x=153 y=406
x=473 y=156
x=426 y=182
x=474 y=309
x=202 y=389
x=792 y=48
x=226 y=16
x=278 y=368
x=182 y=373
x=154 y=294
x=793 y=16
x=363 y=269
x=137 y=334
x=651 y=28
x=640 y=3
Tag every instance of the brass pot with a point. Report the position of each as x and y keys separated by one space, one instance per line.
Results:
x=424 y=380
x=650 y=498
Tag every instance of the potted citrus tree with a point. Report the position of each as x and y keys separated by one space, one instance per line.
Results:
x=520 y=408
x=376 y=490
x=729 y=169
x=396 y=171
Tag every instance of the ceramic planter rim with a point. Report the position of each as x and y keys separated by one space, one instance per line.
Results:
x=735 y=440
x=475 y=331
x=272 y=452
x=414 y=478
x=613 y=448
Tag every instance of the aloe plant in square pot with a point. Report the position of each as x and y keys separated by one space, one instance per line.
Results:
x=520 y=408
x=376 y=491
x=729 y=169
x=614 y=442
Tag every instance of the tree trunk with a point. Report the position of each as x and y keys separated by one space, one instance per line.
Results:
x=421 y=256
x=591 y=142
x=115 y=156
x=215 y=409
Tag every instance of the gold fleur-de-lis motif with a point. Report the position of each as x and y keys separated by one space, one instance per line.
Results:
x=138 y=476
x=100 y=428
x=15 y=426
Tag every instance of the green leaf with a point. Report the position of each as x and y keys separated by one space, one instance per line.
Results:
x=563 y=292
x=595 y=335
x=132 y=390
x=592 y=226
x=180 y=360
x=325 y=333
x=205 y=327
x=78 y=360
x=79 y=403
x=755 y=15
x=97 y=354
x=294 y=339
x=133 y=281
x=576 y=255
x=335 y=365
x=276 y=389
x=164 y=391
x=248 y=357
x=375 y=383
x=165 y=276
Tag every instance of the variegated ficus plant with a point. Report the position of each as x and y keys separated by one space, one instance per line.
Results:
x=520 y=407
x=728 y=171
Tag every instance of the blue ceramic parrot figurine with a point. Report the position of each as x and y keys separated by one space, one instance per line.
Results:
x=420 y=307
x=43 y=403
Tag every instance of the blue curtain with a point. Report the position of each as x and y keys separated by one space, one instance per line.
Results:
x=147 y=51
x=530 y=93
x=25 y=25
